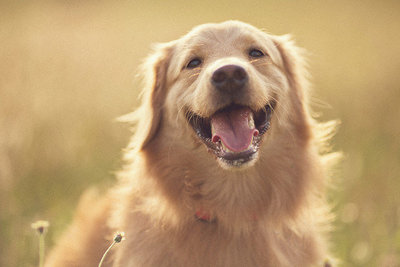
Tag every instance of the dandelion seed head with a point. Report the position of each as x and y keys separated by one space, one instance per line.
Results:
x=40 y=226
x=119 y=236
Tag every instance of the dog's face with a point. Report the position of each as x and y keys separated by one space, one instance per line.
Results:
x=221 y=84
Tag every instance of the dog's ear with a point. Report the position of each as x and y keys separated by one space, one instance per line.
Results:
x=148 y=116
x=294 y=64
x=295 y=69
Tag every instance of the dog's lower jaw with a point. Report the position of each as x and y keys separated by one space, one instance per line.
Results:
x=238 y=164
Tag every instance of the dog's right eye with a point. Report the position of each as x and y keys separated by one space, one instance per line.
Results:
x=194 y=63
x=255 y=53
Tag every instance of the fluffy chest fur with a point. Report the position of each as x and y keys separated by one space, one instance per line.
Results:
x=204 y=244
x=255 y=221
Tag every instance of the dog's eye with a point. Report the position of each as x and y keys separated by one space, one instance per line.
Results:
x=194 y=63
x=256 y=53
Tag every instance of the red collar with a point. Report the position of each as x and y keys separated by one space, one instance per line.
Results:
x=203 y=216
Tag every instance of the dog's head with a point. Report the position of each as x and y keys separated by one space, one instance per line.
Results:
x=226 y=86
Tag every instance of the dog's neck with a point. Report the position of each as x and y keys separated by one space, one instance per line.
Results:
x=194 y=181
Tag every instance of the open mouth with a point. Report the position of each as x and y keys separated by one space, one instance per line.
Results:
x=233 y=133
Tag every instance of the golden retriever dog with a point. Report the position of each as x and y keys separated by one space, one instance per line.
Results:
x=227 y=166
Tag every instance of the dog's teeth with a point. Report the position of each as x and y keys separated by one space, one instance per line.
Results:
x=251 y=121
x=212 y=130
x=223 y=146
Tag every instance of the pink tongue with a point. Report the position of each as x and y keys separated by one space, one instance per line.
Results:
x=232 y=128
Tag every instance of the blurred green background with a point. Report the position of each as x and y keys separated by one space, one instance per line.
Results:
x=67 y=70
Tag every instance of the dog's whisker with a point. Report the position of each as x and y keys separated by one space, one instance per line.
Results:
x=195 y=74
x=264 y=64
x=254 y=60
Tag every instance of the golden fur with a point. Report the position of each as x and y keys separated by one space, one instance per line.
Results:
x=270 y=212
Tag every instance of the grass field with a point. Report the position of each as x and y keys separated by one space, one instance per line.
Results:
x=67 y=70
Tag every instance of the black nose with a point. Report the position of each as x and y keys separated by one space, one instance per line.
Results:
x=229 y=78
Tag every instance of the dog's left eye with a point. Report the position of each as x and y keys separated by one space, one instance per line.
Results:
x=256 y=53
x=194 y=63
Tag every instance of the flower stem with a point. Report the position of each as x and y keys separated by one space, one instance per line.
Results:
x=105 y=253
x=41 y=250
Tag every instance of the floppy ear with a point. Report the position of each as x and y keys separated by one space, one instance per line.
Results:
x=148 y=116
x=294 y=64
x=295 y=69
